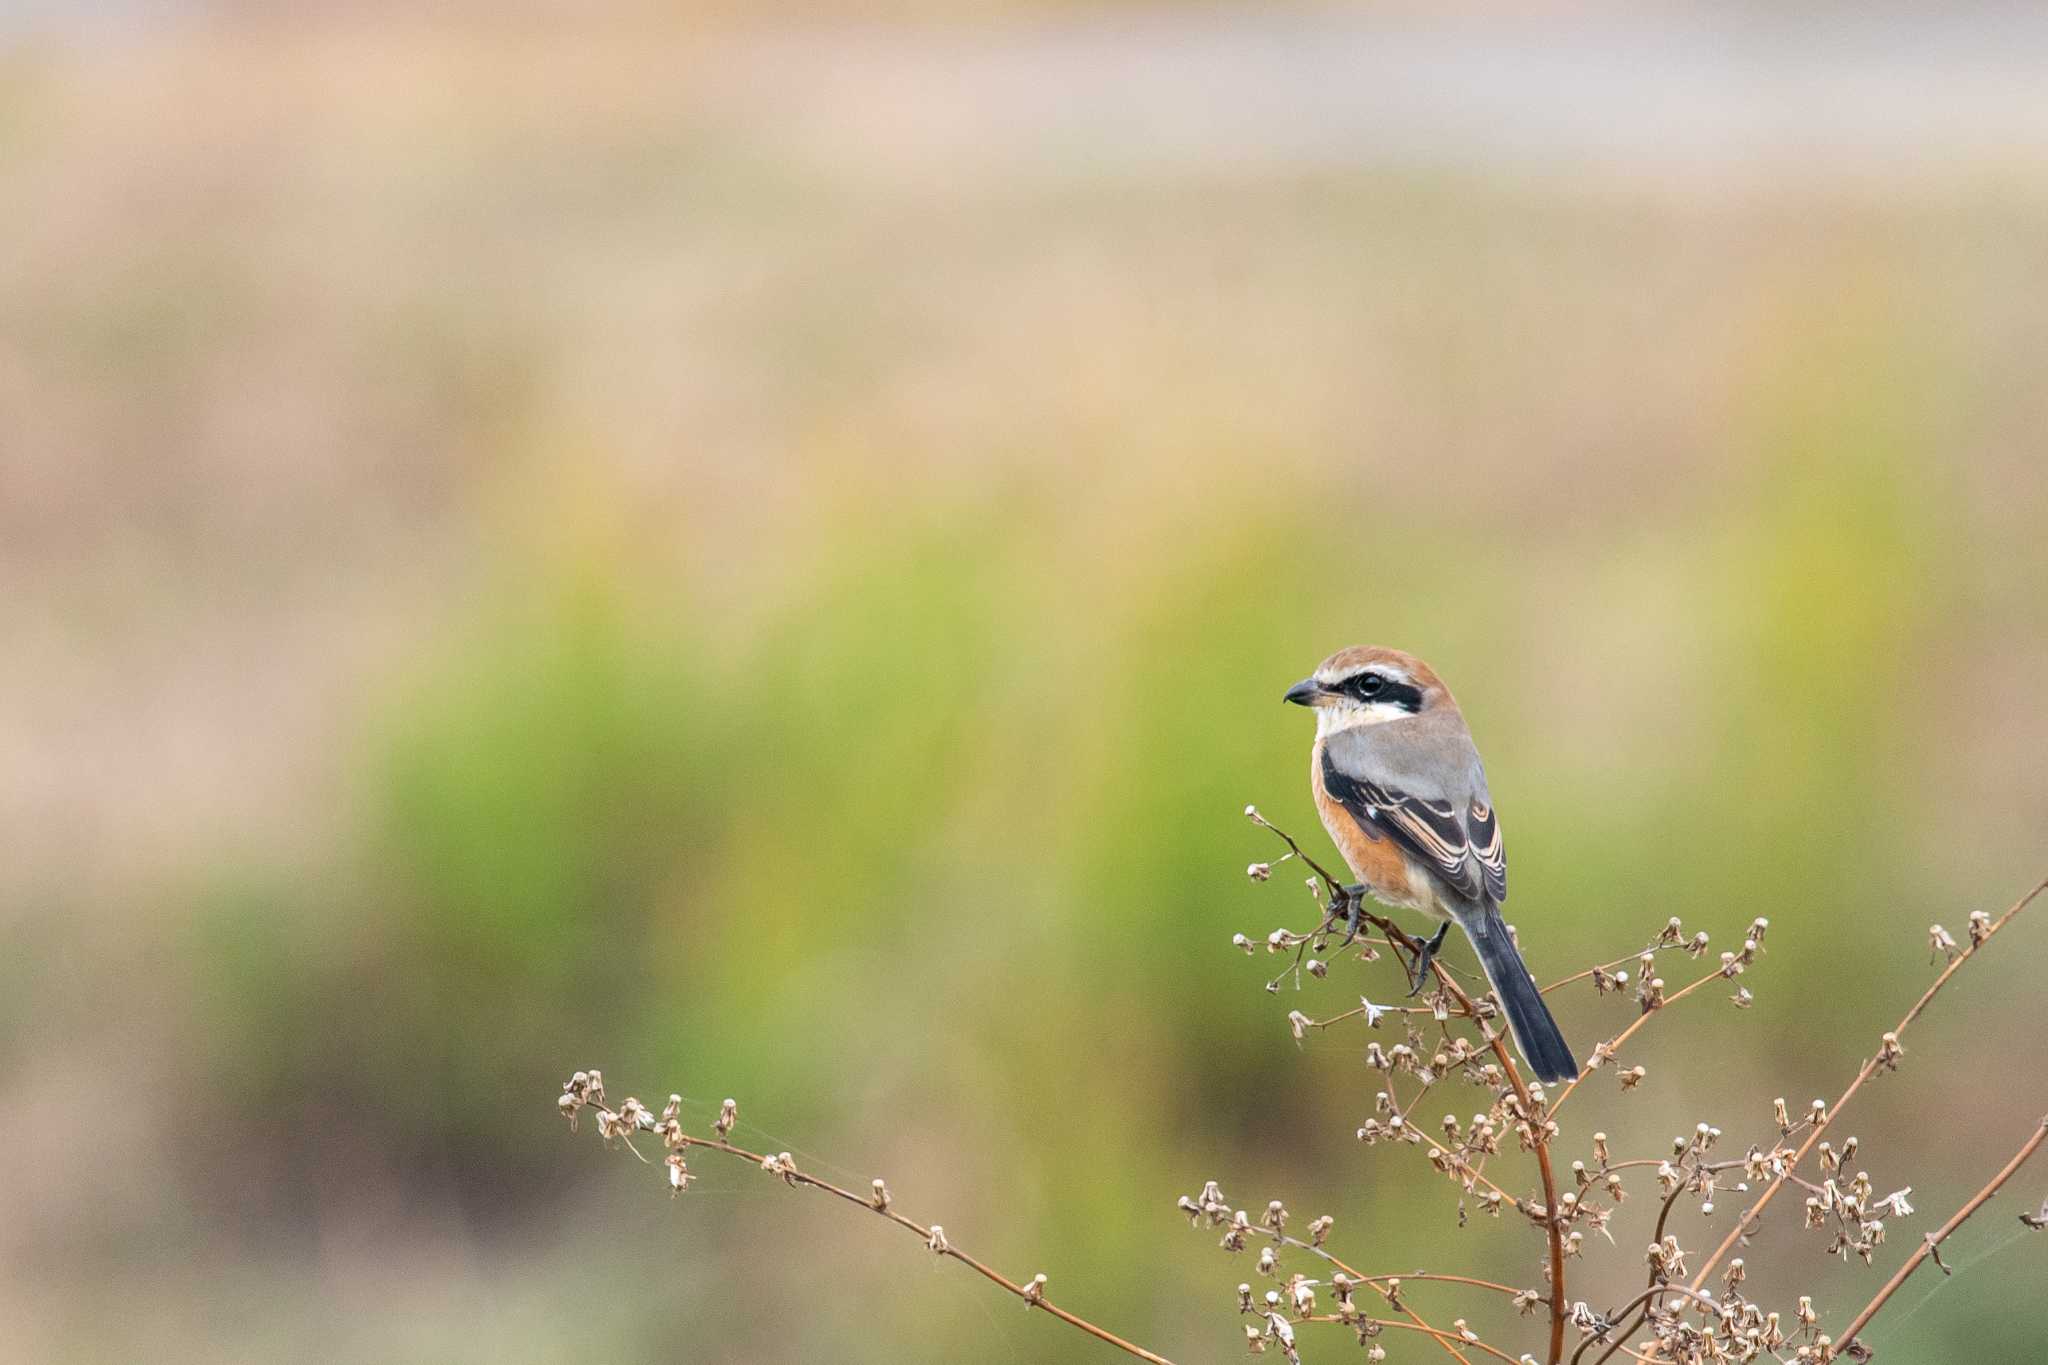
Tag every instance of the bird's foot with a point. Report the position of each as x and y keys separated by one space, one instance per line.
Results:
x=1347 y=907
x=1427 y=956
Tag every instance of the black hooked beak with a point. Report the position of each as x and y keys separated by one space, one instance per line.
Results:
x=1307 y=692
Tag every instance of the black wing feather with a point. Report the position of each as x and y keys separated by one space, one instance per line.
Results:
x=1483 y=832
x=1429 y=831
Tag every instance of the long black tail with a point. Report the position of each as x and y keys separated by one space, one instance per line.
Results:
x=1536 y=1033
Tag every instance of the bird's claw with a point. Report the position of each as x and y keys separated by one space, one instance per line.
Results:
x=1347 y=906
x=1426 y=956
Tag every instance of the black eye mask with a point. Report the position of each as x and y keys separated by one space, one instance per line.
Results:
x=1377 y=687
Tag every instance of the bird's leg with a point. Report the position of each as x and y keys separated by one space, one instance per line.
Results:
x=1426 y=956
x=1349 y=905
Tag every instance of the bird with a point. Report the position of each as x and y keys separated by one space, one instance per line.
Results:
x=1400 y=788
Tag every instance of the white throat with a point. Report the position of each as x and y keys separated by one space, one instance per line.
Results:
x=1350 y=715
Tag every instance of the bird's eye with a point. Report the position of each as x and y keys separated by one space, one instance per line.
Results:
x=1369 y=683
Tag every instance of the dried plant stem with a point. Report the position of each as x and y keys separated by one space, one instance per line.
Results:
x=1641 y=1304
x=1533 y=1113
x=1538 y=1122
x=1449 y=1340
x=1576 y=977
x=1033 y=1297
x=1378 y=1281
x=1381 y=1283
x=1749 y=1215
x=1847 y=1345
x=1612 y=1046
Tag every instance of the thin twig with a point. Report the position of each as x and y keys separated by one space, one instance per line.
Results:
x=1645 y=1302
x=1847 y=1345
x=1648 y=1298
x=1608 y=1050
x=1384 y=1285
x=1538 y=1121
x=1532 y=1113
x=1749 y=1215
x=1033 y=1297
x=1444 y=1339
x=1636 y=956
x=1377 y=1280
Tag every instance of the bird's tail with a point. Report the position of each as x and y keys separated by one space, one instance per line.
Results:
x=1536 y=1033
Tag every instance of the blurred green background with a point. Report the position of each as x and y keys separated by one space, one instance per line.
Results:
x=762 y=556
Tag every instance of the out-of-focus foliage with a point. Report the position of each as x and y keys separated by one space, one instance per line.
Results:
x=754 y=563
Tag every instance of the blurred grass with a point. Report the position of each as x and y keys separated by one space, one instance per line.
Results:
x=515 y=586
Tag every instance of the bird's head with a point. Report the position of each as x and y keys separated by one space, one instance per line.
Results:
x=1369 y=685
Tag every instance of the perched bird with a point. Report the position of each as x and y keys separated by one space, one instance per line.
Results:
x=1401 y=790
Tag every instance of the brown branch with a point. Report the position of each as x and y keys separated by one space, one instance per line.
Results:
x=1607 y=1051
x=1033 y=1295
x=1648 y=1298
x=1636 y=956
x=1443 y=1338
x=1381 y=1284
x=1379 y=1280
x=1538 y=1122
x=1331 y=885
x=1749 y=1215
x=1646 y=1301
x=1847 y=1345
x=1533 y=1113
